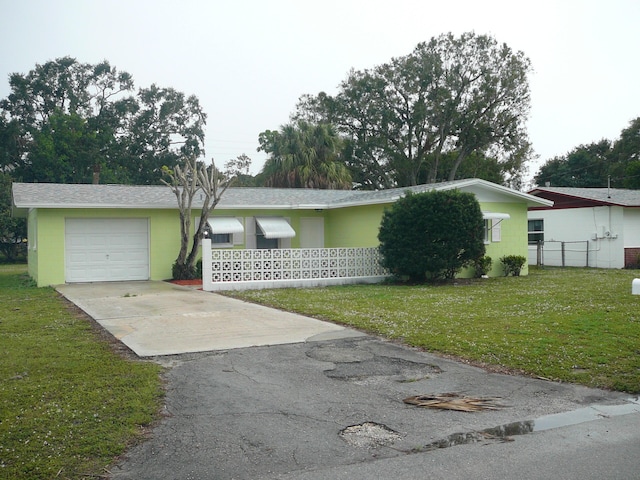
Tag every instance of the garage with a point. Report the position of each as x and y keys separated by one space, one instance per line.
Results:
x=106 y=249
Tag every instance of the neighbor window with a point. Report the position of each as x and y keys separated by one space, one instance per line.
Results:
x=536 y=231
x=487 y=227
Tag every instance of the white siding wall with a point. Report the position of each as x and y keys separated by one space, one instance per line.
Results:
x=631 y=230
x=602 y=227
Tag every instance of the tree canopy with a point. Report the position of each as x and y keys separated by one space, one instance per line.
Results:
x=597 y=164
x=304 y=155
x=454 y=96
x=65 y=121
x=13 y=231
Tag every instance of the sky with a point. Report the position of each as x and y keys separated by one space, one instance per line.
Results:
x=248 y=61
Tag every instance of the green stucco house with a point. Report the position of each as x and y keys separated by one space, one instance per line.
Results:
x=90 y=233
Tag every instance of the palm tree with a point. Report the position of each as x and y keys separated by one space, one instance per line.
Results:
x=304 y=155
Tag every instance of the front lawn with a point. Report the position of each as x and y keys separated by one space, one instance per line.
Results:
x=573 y=325
x=68 y=403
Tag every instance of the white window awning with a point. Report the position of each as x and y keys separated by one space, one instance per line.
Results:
x=275 y=227
x=224 y=225
x=495 y=216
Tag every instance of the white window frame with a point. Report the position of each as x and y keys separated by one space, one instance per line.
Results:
x=487 y=229
x=535 y=232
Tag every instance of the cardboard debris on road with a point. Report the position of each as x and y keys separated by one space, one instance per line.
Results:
x=453 y=401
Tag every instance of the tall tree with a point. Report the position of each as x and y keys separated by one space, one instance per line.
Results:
x=13 y=231
x=304 y=155
x=597 y=164
x=89 y=118
x=464 y=94
x=477 y=165
x=625 y=156
x=166 y=125
x=584 y=166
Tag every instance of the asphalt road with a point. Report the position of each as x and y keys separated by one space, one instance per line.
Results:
x=334 y=409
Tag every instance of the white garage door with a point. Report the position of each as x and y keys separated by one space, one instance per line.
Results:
x=106 y=249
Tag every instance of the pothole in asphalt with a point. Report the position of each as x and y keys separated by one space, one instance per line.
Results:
x=369 y=434
x=339 y=354
x=373 y=370
x=365 y=368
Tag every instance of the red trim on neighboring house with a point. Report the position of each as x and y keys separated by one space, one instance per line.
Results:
x=562 y=201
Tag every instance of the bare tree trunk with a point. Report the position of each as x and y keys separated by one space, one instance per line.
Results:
x=185 y=182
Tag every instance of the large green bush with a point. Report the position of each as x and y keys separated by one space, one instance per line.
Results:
x=432 y=235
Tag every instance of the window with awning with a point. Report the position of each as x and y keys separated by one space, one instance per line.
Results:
x=495 y=216
x=228 y=225
x=275 y=227
x=223 y=229
x=492 y=222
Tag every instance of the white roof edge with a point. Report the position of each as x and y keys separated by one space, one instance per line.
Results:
x=271 y=207
x=86 y=205
x=509 y=191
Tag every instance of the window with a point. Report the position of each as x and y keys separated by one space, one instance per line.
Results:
x=264 y=242
x=272 y=232
x=493 y=226
x=224 y=232
x=536 y=231
x=220 y=238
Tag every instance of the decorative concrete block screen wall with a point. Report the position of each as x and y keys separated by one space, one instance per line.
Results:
x=234 y=269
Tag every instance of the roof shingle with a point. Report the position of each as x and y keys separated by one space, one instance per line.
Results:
x=56 y=195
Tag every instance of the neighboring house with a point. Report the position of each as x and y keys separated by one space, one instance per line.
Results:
x=595 y=227
x=86 y=233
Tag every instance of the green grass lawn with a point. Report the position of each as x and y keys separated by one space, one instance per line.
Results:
x=573 y=325
x=69 y=404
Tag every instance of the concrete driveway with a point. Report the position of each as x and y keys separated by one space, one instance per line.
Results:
x=160 y=318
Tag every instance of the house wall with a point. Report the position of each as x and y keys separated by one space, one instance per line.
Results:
x=47 y=259
x=601 y=231
x=513 y=233
x=343 y=227
x=631 y=227
x=353 y=226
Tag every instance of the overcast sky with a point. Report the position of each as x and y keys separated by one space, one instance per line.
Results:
x=249 y=61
